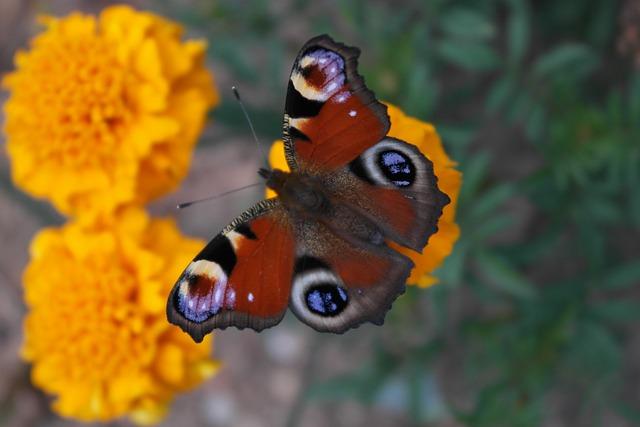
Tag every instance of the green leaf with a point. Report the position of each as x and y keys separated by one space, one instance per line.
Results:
x=457 y=135
x=362 y=384
x=274 y=68
x=491 y=200
x=468 y=55
x=622 y=277
x=630 y=413
x=536 y=123
x=634 y=97
x=567 y=61
x=452 y=268
x=231 y=54
x=634 y=208
x=593 y=351
x=521 y=107
x=467 y=23
x=602 y=28
x=500 y=92
x=421 y=91
x=633 y=182
x=474 y=171
x=504 y=277
x=479 y=231
x=266 y=121
x=617 y=311
x=344 y=387
x=598 y=209
x=518 y=32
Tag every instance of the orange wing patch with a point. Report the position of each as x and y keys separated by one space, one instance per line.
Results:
x=342 y=130
x=262 y=275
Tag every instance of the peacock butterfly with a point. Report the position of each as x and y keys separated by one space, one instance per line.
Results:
x=320 y=246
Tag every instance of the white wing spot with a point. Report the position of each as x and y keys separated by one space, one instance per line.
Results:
x=231 y=299
x=343 y=97
x=250 y=297
x=218 y=294
x=353 y=113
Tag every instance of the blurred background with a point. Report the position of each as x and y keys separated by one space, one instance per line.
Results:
x=535 y=319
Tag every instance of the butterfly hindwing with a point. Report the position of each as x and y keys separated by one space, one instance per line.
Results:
x=330 y=115
x=242 y=277
x=340 y=283
x=397 y=189
x=389 y=192
x=392 y=187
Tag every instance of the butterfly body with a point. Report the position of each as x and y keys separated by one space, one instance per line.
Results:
x=298 y=192
x=321 y=246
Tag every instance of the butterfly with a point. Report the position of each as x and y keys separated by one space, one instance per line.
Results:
x=319 y=247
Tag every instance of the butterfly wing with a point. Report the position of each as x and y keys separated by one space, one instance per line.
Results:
x=339 y=283
x=330 y=115
x=393 y=184
x=241 y=278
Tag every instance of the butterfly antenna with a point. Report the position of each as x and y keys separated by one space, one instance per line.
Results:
x=253 y=131
x=217 y=196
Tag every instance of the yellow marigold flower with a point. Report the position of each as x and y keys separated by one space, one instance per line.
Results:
x=105 y=111
x=424 y=136
x=96 y=330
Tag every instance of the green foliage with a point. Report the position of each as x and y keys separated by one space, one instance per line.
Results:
x=549 y=296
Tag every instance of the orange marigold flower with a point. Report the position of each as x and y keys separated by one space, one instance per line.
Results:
x=96 y=330
x=424 y=136
x=105 y=111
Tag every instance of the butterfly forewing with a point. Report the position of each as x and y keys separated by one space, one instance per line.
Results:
x=242 y=278
x=340 y=282
x=330 y=115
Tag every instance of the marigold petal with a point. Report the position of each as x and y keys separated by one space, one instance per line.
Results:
x=100 y=107
x=170 y=364
x=96 y=331
x=149 y=413
x=277 y=160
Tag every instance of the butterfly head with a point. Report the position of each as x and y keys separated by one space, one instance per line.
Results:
x=276 y=179
x=265 y=173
